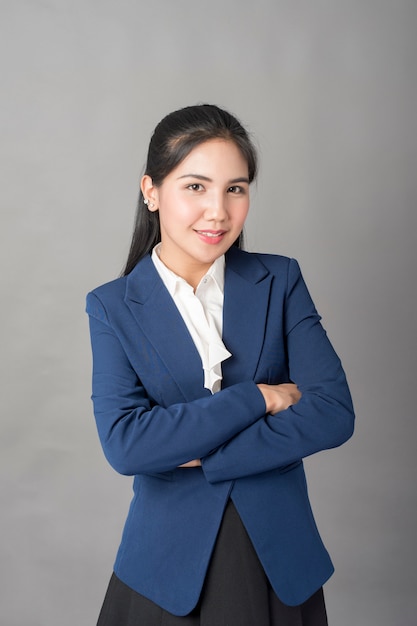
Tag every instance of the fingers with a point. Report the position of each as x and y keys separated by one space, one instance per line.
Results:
x=279 y=397
x=194 y=463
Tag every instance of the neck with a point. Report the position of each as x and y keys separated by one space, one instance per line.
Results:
x=191 y=273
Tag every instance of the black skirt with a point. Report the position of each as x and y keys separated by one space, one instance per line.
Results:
x=236 y=592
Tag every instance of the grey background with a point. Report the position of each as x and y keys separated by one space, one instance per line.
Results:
x=329 y=90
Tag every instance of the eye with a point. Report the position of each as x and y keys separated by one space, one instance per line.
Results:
x=195 y=187
x=236 y=189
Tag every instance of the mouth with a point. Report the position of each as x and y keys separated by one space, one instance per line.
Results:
x=211 y=233
x=211 y=236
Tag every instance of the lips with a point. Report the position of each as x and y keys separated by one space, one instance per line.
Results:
x=211 y=236
x=211 y=233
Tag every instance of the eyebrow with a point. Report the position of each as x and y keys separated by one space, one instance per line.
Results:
x=242 y=179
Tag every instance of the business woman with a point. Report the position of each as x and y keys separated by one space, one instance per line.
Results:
x=212 y=380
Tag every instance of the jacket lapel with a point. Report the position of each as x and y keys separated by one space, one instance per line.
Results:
x=246 y=296
x=158 y=317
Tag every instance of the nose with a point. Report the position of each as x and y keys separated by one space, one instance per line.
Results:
x=216 y=207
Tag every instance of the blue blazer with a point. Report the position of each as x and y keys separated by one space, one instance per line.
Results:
x=153 y=414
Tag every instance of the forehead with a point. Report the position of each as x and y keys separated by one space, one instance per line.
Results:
x=220 y=155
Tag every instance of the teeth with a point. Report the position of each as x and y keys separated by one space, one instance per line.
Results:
x=210 y=234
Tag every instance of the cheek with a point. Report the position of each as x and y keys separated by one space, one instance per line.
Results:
x=172 y=207
x=242 y=213
x=179 y=213
x=188 y=209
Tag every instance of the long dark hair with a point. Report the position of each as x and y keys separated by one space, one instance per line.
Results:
x=173 y=139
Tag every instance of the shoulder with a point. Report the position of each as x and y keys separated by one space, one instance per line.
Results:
x=275 y=264
x=110 y=289
x=112 y=296
x=99 y=299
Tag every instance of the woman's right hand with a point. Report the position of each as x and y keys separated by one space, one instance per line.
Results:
x=279 y=397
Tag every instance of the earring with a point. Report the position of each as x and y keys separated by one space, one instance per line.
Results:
x=150 y=205
x=146 y=201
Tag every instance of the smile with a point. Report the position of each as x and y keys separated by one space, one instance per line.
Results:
x=211 y=236
x=210 y=233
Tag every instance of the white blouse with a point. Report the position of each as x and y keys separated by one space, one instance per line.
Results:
x=202 y=313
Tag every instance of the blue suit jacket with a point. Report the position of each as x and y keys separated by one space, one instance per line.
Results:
x=153 y=414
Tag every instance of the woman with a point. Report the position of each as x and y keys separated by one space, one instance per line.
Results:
x=212 y=379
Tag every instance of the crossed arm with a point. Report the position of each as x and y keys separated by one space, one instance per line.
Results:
x=277 y=398
x=244 y=429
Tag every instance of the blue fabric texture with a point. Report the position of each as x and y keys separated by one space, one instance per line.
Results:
x=153 y=414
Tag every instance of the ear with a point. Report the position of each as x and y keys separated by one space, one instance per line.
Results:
x=150 y=192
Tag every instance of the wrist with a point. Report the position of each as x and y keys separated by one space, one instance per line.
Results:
x=267 y=396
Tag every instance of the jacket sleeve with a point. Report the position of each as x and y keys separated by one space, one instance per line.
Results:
x=322 y=419
x=138 y=437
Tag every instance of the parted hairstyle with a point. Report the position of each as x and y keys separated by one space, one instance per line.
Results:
x=173 y=139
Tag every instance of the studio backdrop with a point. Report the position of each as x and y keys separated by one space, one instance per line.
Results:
x=328 y=90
